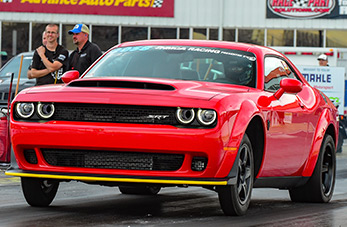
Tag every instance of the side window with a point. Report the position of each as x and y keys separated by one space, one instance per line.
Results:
x=275 y=70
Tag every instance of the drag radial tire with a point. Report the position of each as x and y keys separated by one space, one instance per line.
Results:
x=235 y=199
x=39 y=192
x=139 y=190
x=320 y=186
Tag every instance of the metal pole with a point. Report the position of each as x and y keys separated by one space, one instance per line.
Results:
x=295 y=34
x=0 y=43
x=30 y=36
x=19 y=72
x=9 y=93
x=60 y=33
x=14 y=42
x=90 y=33
x=119 y=34
x=265 y=37
x=149 y=32
x=221 y=20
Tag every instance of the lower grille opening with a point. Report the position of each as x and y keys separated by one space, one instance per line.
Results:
x=113 y=159
x=30 y=156
x=199 y=163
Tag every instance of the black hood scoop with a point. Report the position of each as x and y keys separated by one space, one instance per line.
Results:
x=121 y=84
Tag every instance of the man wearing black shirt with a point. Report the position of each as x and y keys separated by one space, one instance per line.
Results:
x=50 y=61
x=86 y=52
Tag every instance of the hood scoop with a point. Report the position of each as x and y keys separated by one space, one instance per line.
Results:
x=121 y=84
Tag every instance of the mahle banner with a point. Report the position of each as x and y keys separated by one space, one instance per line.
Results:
x=329 y=80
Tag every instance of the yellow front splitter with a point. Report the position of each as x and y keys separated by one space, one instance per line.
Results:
x=79 y=177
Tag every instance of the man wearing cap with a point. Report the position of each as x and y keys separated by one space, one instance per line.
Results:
x=323 y=60
x=50 y=60
x=86 y=52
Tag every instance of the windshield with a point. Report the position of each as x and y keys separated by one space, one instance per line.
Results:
x=13 y=66
x=179 y=62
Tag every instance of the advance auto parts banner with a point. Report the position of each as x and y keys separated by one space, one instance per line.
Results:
x=306 y=9
x=151 y=8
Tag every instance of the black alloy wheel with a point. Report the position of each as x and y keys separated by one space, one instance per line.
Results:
x=235 y=199
x=320 y=186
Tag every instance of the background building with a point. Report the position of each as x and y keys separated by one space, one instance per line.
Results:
x=297 y=23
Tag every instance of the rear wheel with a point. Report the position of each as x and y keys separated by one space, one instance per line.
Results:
x=320 y=186
x=39 y=192
x=139 y=190
x=235 y=199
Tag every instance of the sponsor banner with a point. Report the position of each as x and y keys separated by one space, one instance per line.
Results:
x=306 y=9
x=329 y=80
x=150 y=8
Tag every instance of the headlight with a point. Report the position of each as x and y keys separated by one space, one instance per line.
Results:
x=45 y=110
x=25 y=109
x=206 y=117
x=185 y=116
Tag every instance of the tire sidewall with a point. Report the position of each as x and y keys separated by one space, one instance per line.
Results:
x=37 y=195
x=242 y=207
x=316 y=178
x=228 y=195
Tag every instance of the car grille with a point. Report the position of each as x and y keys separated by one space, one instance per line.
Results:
x=113 y=160
x=114 y=113
x=4 y=96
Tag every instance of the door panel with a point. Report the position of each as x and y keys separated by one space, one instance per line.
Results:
x=286 y=138
x=286 y=145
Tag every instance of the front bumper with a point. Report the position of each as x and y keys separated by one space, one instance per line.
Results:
x=132 y=138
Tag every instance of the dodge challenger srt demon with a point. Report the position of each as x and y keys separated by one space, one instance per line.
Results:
x=224 y=116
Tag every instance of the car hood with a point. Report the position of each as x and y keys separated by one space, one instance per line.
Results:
x=5 y=87
x=145 y=86
x=6 y=81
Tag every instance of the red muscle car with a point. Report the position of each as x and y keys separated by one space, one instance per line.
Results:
x=150 y=114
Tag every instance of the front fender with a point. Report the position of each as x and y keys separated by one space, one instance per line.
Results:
x=325 y=120
x=238 y=126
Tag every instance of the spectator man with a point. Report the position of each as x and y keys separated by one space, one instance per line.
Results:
x=86 y=52
x=44 y=43
x=44 y=38
x=323 y=60
x=50 y=61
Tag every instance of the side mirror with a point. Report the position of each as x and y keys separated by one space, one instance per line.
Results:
x=70 y=75
x=288 y=85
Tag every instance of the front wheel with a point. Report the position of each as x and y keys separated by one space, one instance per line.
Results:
x=235 y=199
x=320 y=186
x=39 y=192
